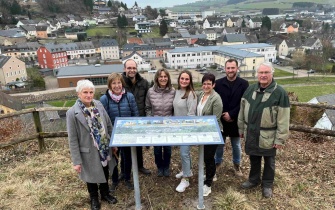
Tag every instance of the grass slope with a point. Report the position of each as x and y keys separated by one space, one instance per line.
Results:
x=304 y=180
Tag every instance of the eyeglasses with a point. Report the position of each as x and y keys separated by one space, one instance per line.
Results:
x=131 y=68
x=264 y=72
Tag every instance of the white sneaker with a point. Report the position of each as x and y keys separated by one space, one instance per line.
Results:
x=180 y=175
x=215 y=178
x=182 y=186
x=206 y=190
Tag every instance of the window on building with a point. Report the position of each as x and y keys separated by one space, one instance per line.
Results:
x=253 y=61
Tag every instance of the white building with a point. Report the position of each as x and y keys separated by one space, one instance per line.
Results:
x=109 y=49
x=142 y=65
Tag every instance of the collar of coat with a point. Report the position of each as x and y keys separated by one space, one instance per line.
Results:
x=138 y=78
x=270 y=88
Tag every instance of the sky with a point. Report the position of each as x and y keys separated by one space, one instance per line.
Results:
x=156 y=3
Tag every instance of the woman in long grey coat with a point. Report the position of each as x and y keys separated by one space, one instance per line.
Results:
x=89 y=129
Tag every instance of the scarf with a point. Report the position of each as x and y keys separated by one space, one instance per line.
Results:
x=116 y=98
x=97 y=130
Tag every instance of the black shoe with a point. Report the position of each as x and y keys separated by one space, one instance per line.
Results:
x=110 y=199
x=248 y=185
x=129 y=185
x=160 y=172
x=113 y=187
x=267 y=192
x=95 y=204
x=144 y=171
x=166 y=172
x=121 y=177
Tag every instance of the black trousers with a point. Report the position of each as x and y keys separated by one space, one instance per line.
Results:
x=93 y=188
x=139 y=153
x=268 y=172
x=209 y=153
x=126 y=162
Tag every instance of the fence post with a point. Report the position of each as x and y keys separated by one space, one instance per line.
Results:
x=38 y=126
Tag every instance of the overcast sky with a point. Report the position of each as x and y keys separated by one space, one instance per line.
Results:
x=156 y=3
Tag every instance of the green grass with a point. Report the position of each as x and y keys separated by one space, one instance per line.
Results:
x=69 y=103
x=306 y=80
x=57 y=103
x=153 y=34
x=306 y=93
x=281 y=73
x=101 y=31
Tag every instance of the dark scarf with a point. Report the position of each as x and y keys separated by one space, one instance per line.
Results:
x=98 y=132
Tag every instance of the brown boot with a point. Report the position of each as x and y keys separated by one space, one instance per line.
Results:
x=237 y=170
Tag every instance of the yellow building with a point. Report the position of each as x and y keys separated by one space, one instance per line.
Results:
x=9 y=104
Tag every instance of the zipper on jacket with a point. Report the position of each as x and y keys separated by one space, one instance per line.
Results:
x=271 y=114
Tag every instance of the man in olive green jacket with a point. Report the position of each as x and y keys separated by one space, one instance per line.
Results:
x=263 y=121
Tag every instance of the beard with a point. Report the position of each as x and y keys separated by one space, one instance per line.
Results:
x=231 y=75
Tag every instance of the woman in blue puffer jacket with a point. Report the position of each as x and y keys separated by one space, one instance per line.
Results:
x=120 y=103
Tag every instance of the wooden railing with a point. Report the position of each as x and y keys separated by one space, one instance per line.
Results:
x=40 y=135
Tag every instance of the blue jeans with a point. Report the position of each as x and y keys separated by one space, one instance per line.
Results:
x=236 y=146
x=185 y=160
x=162 y=156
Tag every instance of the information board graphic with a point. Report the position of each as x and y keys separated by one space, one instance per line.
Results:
x=165 y=131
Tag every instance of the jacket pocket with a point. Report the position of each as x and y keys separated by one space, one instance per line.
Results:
x=84 y=149
x=268 y=117
x=266 y=139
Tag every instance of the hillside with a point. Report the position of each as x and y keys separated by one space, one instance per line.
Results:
x=233 y=5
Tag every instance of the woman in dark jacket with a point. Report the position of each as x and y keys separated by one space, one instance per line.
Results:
x=120 y=103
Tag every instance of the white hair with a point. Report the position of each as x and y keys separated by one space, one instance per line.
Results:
x=267 y=64
x=81 y=84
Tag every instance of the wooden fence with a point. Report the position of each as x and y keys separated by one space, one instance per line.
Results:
x=40 y=135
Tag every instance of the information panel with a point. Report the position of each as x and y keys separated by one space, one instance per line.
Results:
x=165 y=131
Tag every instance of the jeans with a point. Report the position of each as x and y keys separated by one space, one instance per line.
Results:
x=139 y=154
x=236 y=147
x=268 y=171
x=209 y=152
x=185 y=160
x=162 y=156
x=93 y=188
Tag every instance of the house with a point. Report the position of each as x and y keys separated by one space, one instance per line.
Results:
x=142 y=65
x=281 y=45
x=68 y=76
x=29 y=30
x=52 y=56
x=143 y=27
x=204 y=42
x=182 y=20
x=161 y=45
x=26 y=23
x=23 y=51
x=11 y=69
x=231 y=22
x=293 y=43
x=86 y=49
x=9 y=104
x=256 y=22
x=145 y=50
x=289 y=27
x=210 y=34
x=12 y=36
x=139 y=18
x=251 y=38
x=41 y=32
x=109 y=49
x=180 y=43
x=213 y=22
x=104 y=10
x=229 y=39
x=312 y=44
x=230 y=30
x=327 y=121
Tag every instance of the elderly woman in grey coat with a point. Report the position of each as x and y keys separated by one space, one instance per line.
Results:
x=89 y=129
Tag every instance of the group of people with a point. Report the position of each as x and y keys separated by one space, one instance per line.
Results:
x=259 y=114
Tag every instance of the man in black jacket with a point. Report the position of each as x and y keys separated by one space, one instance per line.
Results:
x=138 y=86
x=231 y=89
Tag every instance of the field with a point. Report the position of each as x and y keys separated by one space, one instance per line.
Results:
x=220 y=6
x=306 y=93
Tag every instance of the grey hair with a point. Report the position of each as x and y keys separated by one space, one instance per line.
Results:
x=81 y=84
x=267 y=64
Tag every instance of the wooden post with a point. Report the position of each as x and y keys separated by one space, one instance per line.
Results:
x=38 y=126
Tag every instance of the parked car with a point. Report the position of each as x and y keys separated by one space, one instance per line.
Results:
x=275 y=62
x=311 y=71
x=297 y=67
x=219 y=69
